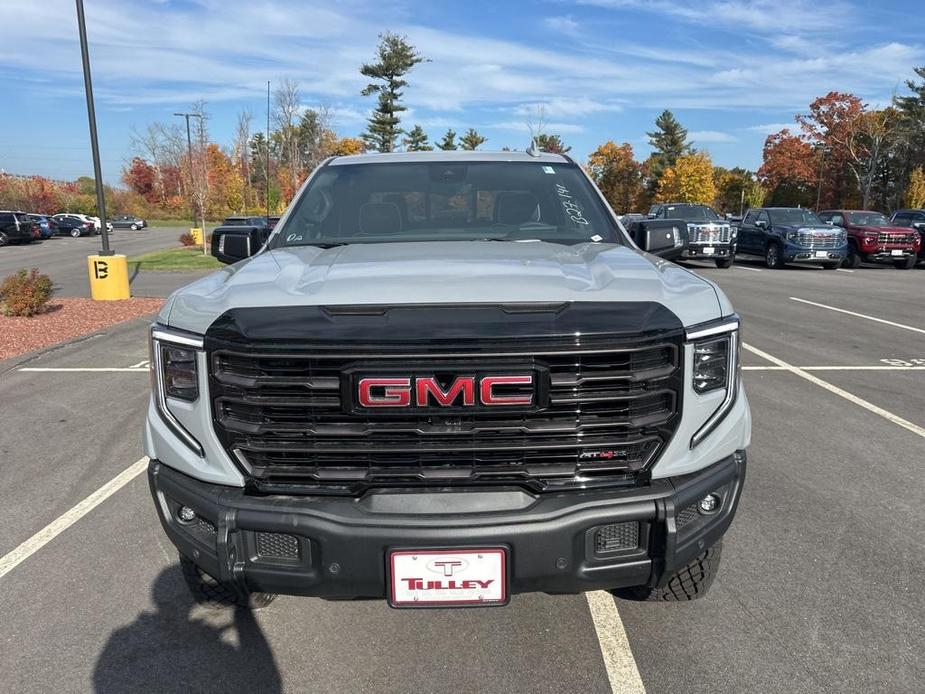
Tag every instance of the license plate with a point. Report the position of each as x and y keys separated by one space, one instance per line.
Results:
x=433 y=578
x=709 y=250
x=899 y=252
x=822 y=254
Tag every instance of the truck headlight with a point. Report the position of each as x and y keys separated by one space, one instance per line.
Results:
x=711 y=364
x=715 y=368
x=792 y=235
x=175 y=375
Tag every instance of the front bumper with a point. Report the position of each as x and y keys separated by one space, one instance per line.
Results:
x=801 y=254
x=706 y=251
x=886 y=255
x=336 y=547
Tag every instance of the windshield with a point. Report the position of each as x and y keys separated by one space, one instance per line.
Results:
x=868 y=219
x=689 y=212
x=447 y=201
x=795 y=216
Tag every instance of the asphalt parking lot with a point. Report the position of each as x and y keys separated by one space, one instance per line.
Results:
x=64 y=260
x=820 y=588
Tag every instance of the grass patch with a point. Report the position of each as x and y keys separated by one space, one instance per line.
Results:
x=175 y=259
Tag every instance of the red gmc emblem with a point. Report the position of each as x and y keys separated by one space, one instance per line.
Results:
x=496 y=390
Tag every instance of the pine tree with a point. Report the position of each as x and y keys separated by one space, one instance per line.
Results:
x=396 y=57
x=472 y=140
x=669 y=142
x=551 y=143
x=417 y=140
x=449 y=141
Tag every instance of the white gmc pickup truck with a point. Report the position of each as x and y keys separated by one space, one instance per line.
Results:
x=444 y=379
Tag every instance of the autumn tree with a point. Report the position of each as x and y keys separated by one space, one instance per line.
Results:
x=789 y=169
x=472 y=140
x=689 y=180
x=395 y=58
x=140 y=177
x=346 y=146
x=736 y=190
x=449 y=140
x=417 y=141
x=915 y=192
x=669 y=142
x=617 y=174
x=551 y=143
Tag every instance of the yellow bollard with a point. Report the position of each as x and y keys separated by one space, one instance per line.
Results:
x=108 y=277
x=197 y=235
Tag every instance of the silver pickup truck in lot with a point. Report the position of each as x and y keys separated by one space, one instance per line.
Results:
x=444 y=379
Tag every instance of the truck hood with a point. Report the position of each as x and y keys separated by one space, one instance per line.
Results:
x=444 y=273
x=807 y=227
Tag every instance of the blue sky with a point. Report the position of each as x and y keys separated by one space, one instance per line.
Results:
x=731 y=70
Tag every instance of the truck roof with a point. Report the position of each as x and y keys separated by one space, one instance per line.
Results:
x=448 y=156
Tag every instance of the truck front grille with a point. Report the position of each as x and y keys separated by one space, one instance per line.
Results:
x=818 y=240
x=610 y=404
x=709 y=233
x=884 y=239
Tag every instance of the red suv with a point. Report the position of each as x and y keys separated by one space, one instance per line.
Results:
x=874 y=239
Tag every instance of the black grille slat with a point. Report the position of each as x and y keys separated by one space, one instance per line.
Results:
x=612 y=405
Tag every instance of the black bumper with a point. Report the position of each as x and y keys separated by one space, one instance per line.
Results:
x=336 y=547
x=719 y=251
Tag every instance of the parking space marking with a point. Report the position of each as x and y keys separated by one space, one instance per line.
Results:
x=79 y=369
x=850 y=397
x=860 y=315
x=17 y=556
x=837 y=368
x=841 y=269
x=615 y=647
x=750 y=269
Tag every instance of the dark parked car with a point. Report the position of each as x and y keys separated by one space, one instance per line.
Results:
x=16 y=227
x=914 y=219
x=46 y=225
x=709 y=236
x=71 y=225
x=791 y=235
x=127 y=221
x=873 y=238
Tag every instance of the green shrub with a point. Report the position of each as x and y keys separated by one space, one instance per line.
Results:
x=25 y=293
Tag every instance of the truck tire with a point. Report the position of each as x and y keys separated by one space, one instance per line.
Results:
x=853 y=259
x=724 y=263
x=689 y=583
x=216 y=594
x=906 y=263
x=772 y=256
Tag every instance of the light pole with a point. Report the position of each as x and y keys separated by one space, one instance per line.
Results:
x=192 y=182
x=94 y=141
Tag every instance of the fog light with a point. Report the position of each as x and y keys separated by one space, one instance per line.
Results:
x=709 y=503
x=188 y=515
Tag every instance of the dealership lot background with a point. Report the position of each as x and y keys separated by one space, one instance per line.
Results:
x=820 y=588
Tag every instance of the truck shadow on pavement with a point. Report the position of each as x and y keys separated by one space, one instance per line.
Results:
x=183 y=647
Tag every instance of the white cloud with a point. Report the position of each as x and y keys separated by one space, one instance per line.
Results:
x=562 y=25
x=770 y=128
x=550 y=128
x=701 y=136
x=559 y=107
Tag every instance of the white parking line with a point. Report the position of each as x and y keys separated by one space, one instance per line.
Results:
x=860 y=315
x=81 y=369
x=841 y=269
x=17 y=556
x=850 y=397
x=750 y=269
x=836 y=368
x=615 y=647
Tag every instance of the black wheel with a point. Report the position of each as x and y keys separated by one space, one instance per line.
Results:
x=853 y=259
x=689 y=583
x=831 y=266
x=134 y=227
x=4 y=239
x=75 y=233
x=724 y=263
x=772 y=257
x=216 y=594
x=906 y=263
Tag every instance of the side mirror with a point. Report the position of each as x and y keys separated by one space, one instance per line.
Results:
x=761 y=224
x=919 y=225
x=229 y=244
x=830 y=223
